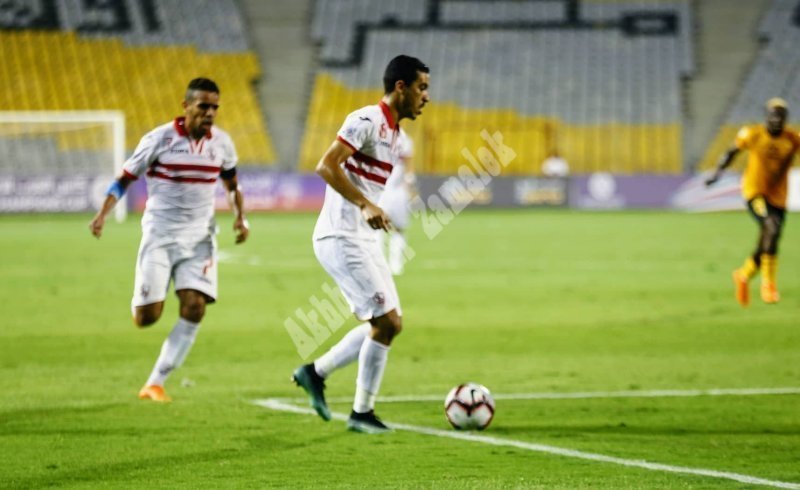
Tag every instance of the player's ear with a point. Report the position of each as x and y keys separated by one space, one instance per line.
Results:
x=400 y=85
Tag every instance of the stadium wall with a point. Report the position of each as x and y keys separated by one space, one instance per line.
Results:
x=271 y=190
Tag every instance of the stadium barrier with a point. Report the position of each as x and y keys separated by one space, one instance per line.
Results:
x=270 y=190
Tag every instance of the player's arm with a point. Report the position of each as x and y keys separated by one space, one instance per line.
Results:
x=114 y=193
x=134 y=167
x=329 y=168
x=724 y=162
x=236 y=199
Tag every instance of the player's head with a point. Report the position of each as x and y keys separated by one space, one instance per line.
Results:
x=200 y=105
x=777 y=112
x=406 y=79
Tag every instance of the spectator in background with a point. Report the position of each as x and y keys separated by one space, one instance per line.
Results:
x=555 y=166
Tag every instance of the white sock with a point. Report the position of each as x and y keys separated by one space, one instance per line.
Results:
x=174 y=350
x=397 y=248
x=371 y=364
x=344 y=352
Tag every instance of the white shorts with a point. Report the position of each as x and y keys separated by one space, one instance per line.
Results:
x=192 y=264
x=395 y=203
x=361 y=272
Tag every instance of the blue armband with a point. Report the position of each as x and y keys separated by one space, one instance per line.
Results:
x=116 y=190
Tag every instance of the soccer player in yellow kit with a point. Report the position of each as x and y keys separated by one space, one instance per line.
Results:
x=771 y=148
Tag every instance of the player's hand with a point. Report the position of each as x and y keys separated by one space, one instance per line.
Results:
x=96 y=225
x=242 y=229
x=375 y=217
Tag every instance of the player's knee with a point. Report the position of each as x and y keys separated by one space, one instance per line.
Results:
x=143 y=321
x=193 y=310
x=387 y=328
x=397 y=326
x=193 y=305
x=144 y=317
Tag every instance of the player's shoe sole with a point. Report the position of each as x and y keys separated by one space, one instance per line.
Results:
x=769 y=294
x=155 y=393
x=366 y=423
x=315 y=388
x=742 y=289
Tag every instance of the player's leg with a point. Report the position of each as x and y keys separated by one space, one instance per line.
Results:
x=343 y=353
x=144 y=316
x=153 y=267
x=311 y=377
x=195 y=286
x=355 y=265
x=742 y=276
x=177 y=344
x=334 y=257
x=371 y=365
x=372 y=359
x=770 y=236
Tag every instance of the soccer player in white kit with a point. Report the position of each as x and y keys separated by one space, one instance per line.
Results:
x=356 y=168
x=181 y=161
x=396 y=201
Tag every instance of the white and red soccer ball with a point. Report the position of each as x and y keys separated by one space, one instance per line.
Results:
x=469 y=406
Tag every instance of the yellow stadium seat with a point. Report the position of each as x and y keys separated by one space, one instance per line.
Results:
x=446 y=129
x=59 y=71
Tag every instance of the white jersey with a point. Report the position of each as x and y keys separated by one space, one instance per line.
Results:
x=181 y=176
x=372 y=134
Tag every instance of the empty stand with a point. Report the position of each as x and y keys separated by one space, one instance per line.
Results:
x=605 y=99
x=117 y=55
x=335 y=22
x=775 y=73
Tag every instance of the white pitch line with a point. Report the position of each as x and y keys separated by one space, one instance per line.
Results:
x=273 y=404
x=581 y=395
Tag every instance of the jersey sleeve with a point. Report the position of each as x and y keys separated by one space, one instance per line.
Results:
x=142 y=157
x=744 y=138
x=229 y=156
x=355 y=131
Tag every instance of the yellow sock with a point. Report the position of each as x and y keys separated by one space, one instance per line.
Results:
x=769 y=268
x=749 y=268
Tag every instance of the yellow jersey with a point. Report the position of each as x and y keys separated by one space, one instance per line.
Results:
x=768 y=162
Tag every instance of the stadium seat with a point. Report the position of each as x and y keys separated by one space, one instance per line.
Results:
x=605 y=100
x=140 y=72
x=775 y=73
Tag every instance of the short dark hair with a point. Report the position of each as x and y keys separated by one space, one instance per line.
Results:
x=403 y=68
x=203 y=84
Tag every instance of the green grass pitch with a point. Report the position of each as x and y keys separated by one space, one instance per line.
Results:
x=523 y=302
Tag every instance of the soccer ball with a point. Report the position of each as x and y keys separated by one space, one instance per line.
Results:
x=469 y=406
